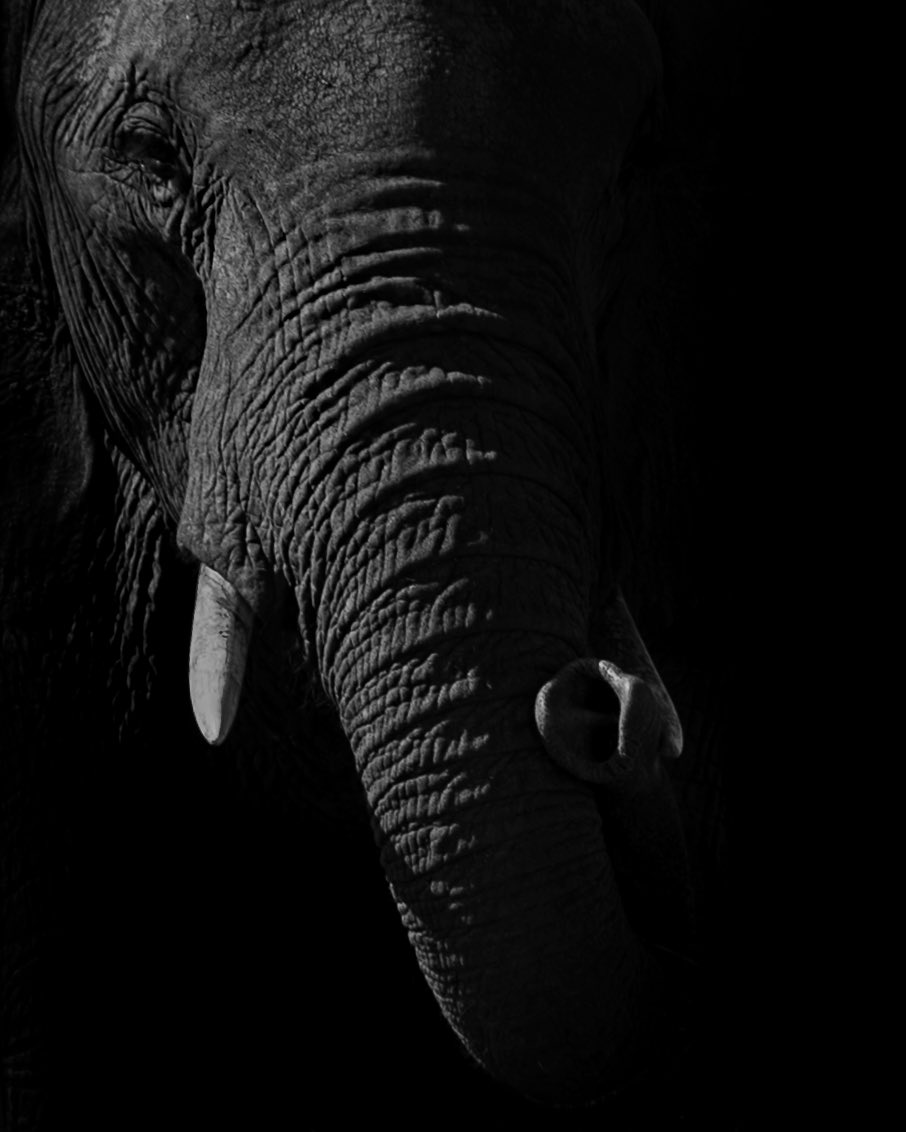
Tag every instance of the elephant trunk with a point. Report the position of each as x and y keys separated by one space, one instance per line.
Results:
x=453 y=583
x=498 y=865
x=426 y=481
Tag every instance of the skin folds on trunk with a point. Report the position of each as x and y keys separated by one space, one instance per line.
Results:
x=425 y=479
x=455 y=588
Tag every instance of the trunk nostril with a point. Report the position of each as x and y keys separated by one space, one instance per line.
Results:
x=578 y=715
x=610 y=722
x=622 y=753
x=598 y=715
x=599 y=722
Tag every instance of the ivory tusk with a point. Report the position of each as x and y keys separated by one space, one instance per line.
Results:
x=221 y=630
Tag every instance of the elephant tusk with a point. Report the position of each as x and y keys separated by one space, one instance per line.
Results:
x=221 y=629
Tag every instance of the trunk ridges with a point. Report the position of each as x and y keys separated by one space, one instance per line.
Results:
x=465 y=317
x=439 y=526
x=497 y=862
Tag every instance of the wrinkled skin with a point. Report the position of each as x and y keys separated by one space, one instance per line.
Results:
x=283 y=313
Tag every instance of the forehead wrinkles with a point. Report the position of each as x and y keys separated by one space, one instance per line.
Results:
x=336 y=75
x=196 y=37
x=223 y=61
x=124 y=33
x=263 y=83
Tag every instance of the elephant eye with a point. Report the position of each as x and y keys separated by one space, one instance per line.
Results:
x=154 y=154
x=147 y=147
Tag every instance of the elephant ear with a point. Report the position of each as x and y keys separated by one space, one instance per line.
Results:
x=82 y=537
x=45 y=464
x=46 y=452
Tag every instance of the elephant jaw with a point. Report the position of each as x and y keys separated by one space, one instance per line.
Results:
x=221 y=630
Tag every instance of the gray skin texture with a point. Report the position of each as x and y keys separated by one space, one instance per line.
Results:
x=332 y=298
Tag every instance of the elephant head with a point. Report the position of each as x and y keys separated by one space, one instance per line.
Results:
x=334 y=283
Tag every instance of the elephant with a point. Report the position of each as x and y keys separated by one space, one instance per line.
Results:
x=337 y=414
